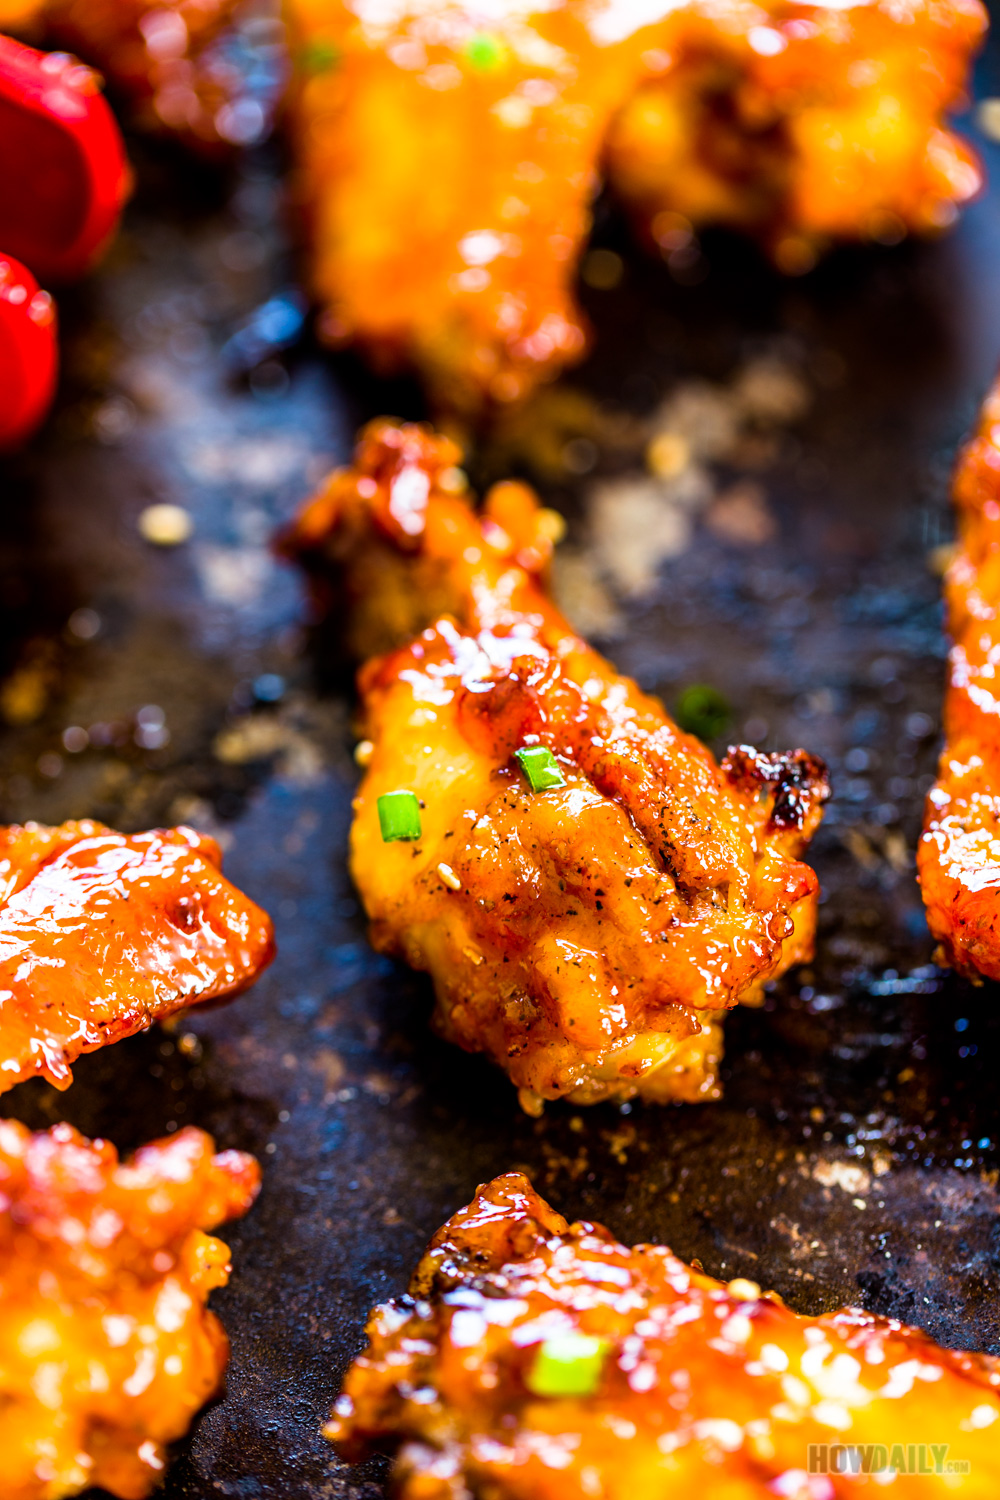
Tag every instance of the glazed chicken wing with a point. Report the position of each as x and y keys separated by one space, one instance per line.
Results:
x=101 y=934
x=538 y=1360
x=106 y=1348
x=803 y=126
x=958 y=858
x=448 y=153
x=585 y=885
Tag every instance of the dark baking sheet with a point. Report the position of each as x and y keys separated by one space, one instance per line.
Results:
x=855 y=1156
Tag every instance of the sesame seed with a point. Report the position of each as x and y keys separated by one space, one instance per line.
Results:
x=165 y=525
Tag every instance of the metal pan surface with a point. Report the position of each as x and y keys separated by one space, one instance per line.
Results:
x=855 y=1155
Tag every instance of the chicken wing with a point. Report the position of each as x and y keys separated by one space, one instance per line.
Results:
x=537 y=1359
x=447 y=154
x=107 y=1350
x=802 y=127
x=585 y=885
x=101 y=934
x=958 y=858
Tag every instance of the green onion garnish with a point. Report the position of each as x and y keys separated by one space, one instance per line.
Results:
x=702 y=710
x=319 y=55
x=540 y=766
x=568 y=1365
x=398 y=816
x=485 y=51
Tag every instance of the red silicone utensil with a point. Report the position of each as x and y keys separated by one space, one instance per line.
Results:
x=29 y=355
x=63 y=172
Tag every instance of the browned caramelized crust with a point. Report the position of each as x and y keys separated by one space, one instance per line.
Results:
x=587 y=936
x=448 y=153
x=702 y=1389
x=959 y=854
x=103 y=933
x=106 y=1349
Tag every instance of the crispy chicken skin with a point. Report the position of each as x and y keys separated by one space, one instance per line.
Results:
x=106 y=1348
x=587 y=936
x=705 y=1389
x=448 y=153
x=171 y=58
x=958 y=858
x=103 y=933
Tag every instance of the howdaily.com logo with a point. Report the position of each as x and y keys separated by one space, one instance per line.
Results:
x=881 y=1458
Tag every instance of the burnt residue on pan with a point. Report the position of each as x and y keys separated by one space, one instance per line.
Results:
x=781 y=451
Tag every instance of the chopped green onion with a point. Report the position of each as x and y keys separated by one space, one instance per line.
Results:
x=568 y=1365
x=702 y=710
x=540 y=766
x=398 y=816
x=319 y=55
x=486 y=51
